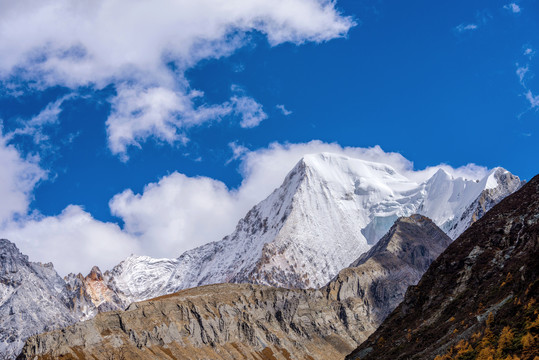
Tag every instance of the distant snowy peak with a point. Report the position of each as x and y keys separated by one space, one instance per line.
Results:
x=139 y=277
x=498 y=184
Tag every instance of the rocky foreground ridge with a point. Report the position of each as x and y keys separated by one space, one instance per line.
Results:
x=242 y=321
x=478 y=300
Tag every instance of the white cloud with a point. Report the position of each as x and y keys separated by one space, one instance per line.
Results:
x=34 y=126
x=73 y=241
x=514 y=8
x=133 y=44
x=139 y=113
x=465 y=27
x=237 y=151
x=18 y=177
x=534 y=100
x=285 y=111
x=178 y=213
x=250 y=111
x=521 y=73
x=173 y=215
x=263 y=170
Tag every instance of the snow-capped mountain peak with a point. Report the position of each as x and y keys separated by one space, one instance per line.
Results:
x=328 y=211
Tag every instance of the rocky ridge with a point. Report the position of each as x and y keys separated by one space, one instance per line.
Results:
x=478 y=300
x=242 y=321
x=33 y=299
x=382 y=275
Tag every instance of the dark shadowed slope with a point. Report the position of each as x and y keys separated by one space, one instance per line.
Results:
x=478 y=300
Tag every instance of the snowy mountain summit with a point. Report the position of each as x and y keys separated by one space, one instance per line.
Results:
x=329 y=210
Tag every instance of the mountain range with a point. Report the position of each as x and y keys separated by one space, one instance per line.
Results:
x=477 y=300
x=329 y=211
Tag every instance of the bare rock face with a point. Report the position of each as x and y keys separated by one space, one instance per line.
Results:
x=381 y=276
x=478 y=300
x=224 y=321
x=240 y=321
x=32 y=299
x=91 y=294
x=505 y=184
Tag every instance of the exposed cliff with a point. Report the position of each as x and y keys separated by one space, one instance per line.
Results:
x=33 y=299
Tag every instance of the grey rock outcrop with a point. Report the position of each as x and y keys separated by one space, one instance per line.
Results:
x=381 y=276
x=33 y=299
x=506 y=184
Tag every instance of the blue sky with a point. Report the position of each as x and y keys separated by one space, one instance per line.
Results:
x=451 y=83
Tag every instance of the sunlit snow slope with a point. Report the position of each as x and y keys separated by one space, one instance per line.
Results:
x=329 y=210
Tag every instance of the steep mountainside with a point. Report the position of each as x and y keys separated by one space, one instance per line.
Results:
x=33 y=299
x=381 y=276
x=329 y=210
x=478 y=300
x=240 y=321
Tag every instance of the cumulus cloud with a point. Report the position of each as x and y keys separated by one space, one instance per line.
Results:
x=178 y=212
x=144 y=49
x=174 y=214
x=139 y=113
x=73 y=241
x=263 y=170
x=251 y=112
x=18 y=177
x=514 y=8
x=284 y=110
